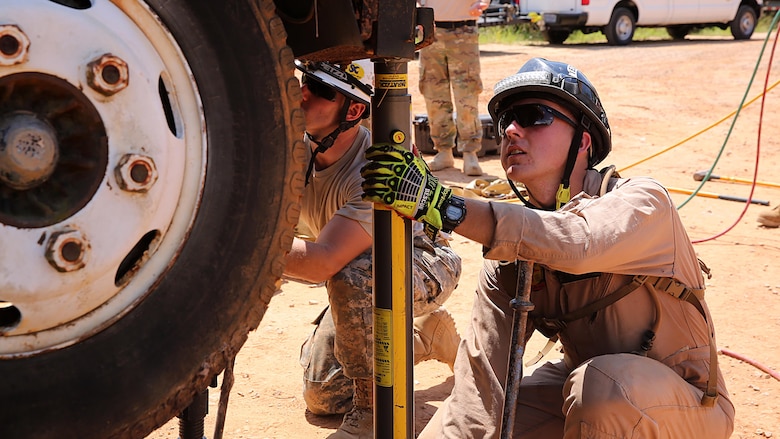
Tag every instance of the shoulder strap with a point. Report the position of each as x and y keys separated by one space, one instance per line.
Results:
x=560 y=322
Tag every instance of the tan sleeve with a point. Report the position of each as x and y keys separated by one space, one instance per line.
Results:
x=634 y=229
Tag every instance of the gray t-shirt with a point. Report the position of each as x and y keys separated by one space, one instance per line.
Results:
x=337 y=190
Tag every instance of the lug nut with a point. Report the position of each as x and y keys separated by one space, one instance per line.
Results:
x=67 y=250
x=14 y=45
x=108 y=74
x=136 y=173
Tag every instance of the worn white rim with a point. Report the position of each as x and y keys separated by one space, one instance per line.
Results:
x=60 y=308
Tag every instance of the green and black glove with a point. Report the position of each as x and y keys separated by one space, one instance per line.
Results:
x=402 y=181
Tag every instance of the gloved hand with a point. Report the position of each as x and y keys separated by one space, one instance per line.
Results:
x=402 y=181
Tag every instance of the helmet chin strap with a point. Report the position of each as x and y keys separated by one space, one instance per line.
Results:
x=563 y=194
x=327 y=141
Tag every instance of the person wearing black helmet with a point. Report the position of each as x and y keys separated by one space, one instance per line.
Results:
x=615 y=280
x=338 y=356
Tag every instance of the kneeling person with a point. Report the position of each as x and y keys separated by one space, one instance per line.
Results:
x=338 y=356
x=615 y=278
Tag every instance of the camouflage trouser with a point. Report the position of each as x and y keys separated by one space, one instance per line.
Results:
x=340 y=348
x=452 y=61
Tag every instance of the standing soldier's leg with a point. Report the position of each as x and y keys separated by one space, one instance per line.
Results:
x=435 y=87
x=464 y=73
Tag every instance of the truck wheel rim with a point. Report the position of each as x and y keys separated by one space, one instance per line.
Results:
x=88 y=245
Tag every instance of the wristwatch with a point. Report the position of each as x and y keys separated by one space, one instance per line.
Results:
x=453 y=214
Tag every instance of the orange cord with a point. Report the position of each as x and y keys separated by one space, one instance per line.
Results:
x=747 y=360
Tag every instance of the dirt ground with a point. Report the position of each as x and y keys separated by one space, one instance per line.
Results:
x=660 y=96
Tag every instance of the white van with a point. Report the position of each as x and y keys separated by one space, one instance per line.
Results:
x=619 y=19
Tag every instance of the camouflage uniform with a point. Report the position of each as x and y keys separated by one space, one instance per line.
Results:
x=328 y=387
x=340 y=349
x=452 y=63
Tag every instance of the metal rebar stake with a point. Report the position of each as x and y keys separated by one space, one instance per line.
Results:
x=522 y=306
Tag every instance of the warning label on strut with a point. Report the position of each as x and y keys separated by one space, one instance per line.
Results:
x=383 y=341
x=391 y=81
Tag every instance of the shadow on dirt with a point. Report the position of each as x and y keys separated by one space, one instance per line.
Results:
x=423 y=409
x=328 y=421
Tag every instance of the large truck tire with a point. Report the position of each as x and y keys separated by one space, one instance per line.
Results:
x=150 y=175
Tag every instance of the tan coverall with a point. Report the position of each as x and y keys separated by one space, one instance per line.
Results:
x=601 y=389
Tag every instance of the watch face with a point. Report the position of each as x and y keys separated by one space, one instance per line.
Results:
x=454 y=213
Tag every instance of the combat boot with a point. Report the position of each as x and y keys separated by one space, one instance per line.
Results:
x=358 y=423
x=436 y=338
x=471 y=164
x=443 y=159
x=771 y=218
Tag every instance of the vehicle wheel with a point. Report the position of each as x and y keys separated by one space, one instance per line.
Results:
x=678 y=32
x=144 y=230
x=620 y=29
x=744 y=23
x=556 y=36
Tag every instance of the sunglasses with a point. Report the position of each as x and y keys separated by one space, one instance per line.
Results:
x=530 y=115
x=319 y=89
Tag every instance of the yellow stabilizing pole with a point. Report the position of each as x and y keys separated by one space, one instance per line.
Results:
x=699 y=176
x=393 y=293
x=718 y=196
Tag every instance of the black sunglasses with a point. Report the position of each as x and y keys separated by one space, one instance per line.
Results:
x=530 y=115
x=319 y=89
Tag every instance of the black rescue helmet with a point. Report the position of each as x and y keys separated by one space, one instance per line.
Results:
x=562 y=83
